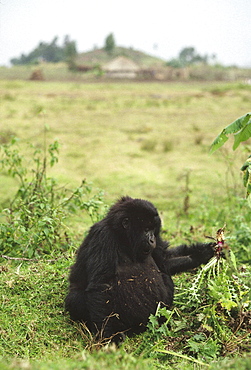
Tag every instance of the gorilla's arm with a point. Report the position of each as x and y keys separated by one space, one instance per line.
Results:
x=183 y=258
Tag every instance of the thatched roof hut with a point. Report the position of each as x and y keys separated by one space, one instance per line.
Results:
x=121 y=67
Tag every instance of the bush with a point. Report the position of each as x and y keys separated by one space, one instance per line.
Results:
x=34 y=219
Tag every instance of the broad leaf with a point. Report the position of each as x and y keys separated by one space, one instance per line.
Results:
x=241 y=127
x=218 y=142
x=243 y=135
x=238 y=124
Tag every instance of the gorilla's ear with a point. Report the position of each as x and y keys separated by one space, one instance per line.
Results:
x=125 y=222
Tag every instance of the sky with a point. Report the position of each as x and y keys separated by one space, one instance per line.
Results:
x=161 y=28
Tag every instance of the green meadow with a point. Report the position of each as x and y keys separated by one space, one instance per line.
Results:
x=140 y=139
x=146 y=140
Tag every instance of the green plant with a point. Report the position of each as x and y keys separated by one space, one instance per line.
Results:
x=34 y=219
x=241 y=128
x=217 y=278
x=210 y=317
x=153 y=325
x=169 y=337
x=220 y=295
x=200 y=345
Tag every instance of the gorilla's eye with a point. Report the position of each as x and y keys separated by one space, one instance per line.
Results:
x=125 y=223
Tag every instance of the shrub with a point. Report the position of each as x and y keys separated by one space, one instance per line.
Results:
x=34 y=219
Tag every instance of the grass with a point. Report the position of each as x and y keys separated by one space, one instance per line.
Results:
x=32 y=296
x=35 y=332
x=148 y=140
x=105 y=131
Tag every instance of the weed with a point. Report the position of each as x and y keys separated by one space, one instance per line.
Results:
x=35 y=217
x=200 y=345
x=210 y=317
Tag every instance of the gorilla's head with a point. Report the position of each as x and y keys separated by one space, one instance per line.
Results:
x=137 y=223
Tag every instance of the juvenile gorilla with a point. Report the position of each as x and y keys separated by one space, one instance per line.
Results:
x=123 y=270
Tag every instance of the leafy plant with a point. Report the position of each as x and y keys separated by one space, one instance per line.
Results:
x=199 y=344
x=210 y=315
x=241 y=128
x=34 y=220
x=153 y=325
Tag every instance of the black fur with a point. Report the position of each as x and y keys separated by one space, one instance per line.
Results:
x=123 y=269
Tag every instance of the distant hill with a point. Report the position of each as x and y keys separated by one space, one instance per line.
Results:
x=100 y=57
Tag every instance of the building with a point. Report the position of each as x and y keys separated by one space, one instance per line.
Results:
x=121 y=67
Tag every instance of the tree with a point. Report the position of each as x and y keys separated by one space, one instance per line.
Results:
x=109 y=43
x=49 y=52
x=70 y=52
x=187 y=56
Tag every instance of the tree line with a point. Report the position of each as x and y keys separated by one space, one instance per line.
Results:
x=52 y=52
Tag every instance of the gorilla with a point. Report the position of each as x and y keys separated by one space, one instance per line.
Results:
x=123 y=270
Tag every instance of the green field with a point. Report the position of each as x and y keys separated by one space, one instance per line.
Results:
x=147 y=140
x=139 y=139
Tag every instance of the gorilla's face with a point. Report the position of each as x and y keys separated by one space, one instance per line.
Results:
x=140 y=226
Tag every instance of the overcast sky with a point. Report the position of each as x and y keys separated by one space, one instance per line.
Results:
x=160 y=27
